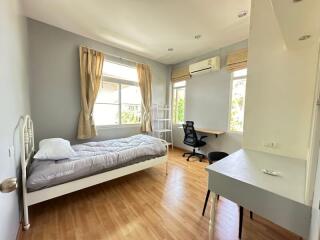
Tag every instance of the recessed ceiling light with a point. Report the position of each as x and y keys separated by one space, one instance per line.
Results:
x=304 y=37
x=242 y=13
x=198 y=36
x=170 y=49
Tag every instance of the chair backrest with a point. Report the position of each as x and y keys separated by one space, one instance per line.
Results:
x=190 y=134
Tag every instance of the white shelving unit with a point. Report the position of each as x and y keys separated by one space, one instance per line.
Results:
x=162 y=122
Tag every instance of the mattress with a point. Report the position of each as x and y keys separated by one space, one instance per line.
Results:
x=93 y=158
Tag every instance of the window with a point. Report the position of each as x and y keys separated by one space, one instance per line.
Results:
x=119 y=100
x=178 y=100
x=238 y=92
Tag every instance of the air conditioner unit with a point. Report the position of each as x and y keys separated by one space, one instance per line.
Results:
x=208 y=65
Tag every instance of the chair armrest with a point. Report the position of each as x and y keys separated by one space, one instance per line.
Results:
x=202 y=137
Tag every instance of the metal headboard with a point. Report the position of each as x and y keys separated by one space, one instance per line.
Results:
x=27 y=142
x=27 y=150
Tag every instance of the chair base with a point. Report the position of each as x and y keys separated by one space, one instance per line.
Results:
x=194 y=154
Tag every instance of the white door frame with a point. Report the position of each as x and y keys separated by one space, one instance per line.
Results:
x=313 y=152
x=312 y=194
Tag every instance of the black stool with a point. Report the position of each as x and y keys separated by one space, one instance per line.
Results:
x=216 y=156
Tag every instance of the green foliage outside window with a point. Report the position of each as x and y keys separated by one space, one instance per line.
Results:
x=129 y=118
x=130 y=114
x=178 y=105
x=237 y=105
x=236 y=119
x=180 y=111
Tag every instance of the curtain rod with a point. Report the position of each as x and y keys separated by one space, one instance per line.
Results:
x=116 y=56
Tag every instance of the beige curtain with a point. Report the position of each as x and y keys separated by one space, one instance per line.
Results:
x=91 y=63
x=237 y=60
x=144 y=75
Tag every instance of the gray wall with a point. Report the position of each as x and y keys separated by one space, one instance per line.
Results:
x=207 y=103
x=55 y=84
x=14 y=103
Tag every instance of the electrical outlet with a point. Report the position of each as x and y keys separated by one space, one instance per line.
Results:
x=11 y=152
x=270 y=144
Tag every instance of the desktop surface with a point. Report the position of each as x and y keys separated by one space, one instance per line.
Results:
x=280 y=199
x=208 y=131
x=247 y=165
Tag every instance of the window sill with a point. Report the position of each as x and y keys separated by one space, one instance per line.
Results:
x=103 y=127
x=235 y=132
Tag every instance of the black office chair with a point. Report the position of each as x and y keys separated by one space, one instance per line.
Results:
x=191 y=139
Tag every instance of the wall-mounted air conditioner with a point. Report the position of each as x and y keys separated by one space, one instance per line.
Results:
x=211 y=64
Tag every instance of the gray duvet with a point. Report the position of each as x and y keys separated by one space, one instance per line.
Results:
x=93 y=158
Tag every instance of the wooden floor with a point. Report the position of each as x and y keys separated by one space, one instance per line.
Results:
x=146 y=205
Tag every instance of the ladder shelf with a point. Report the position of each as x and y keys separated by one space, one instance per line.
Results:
x=162 y=123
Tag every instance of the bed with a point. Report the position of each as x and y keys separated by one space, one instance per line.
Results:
x=94 y=163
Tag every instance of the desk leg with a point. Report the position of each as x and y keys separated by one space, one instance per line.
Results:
x=212 y=215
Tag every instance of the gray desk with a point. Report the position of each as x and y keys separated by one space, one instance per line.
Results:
x=277 y=198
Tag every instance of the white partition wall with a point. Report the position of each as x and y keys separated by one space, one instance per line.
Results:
x=280 y=87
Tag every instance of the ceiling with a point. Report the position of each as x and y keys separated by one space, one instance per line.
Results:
x=149 y=27
x=297 y=19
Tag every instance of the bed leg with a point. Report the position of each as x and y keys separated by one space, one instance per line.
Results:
x=26 y=224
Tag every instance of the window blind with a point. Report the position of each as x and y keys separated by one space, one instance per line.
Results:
x=180 y=74
x=237 y=60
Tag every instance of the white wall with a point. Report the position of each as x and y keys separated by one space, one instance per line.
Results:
x=55 y=84
x=280 y=88
x=207 y=103
x=14 y=103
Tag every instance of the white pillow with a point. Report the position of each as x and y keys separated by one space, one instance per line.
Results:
x=54 y=149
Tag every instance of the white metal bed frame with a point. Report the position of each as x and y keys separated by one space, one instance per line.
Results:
x=31 y=198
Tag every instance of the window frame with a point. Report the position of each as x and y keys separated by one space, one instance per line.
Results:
x=119 y=81
x=232 y=78
x=185 y=94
